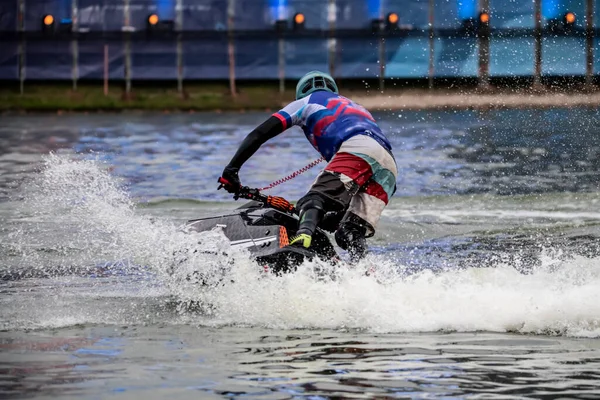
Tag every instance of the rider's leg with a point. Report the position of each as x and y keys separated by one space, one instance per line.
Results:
x=352 y=236
x=328 y=193
x=312 y=209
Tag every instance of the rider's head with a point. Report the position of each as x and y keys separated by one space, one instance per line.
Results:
x=313 y=81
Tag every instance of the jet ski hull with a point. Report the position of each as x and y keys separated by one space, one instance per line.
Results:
x=265 y=233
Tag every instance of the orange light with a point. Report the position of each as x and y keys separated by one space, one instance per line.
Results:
x=153 y=19
x=484 y=18
x=299 y=18
x=48 y=20
x=393 y=18
x=570 y=18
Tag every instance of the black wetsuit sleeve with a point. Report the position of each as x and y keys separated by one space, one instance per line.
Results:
x=267 y=130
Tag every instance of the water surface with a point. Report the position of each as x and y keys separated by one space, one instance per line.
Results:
x=486 y=283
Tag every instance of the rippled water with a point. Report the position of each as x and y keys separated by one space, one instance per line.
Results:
x=487 y=268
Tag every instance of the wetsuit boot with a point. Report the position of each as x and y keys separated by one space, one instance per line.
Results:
x=309 y=219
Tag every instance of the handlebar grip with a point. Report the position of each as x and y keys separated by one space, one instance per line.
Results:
x=254 y=194
x=280 y=203
x=222 y=182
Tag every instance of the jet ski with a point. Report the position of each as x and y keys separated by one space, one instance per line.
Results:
x=264 y=226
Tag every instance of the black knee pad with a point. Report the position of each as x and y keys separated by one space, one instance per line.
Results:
x=311 y=211
x=311 y=200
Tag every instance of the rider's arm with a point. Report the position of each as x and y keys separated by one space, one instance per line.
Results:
x=265 y=131
x=276 y=124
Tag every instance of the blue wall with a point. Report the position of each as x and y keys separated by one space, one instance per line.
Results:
x=454 y=56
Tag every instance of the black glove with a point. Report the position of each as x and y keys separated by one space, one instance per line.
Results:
x=230 y=180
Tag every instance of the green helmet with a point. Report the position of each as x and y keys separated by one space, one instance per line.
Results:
x=313 y=81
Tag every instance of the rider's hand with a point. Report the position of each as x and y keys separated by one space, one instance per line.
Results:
x=230 y=180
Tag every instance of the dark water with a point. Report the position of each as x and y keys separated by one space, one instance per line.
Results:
x=487 y=280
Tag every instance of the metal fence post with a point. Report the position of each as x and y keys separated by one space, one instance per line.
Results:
x=179 y=27
x=537 y=47
x=127 y=47
x=484 y=50
x=589 y=34
x=281 y=62
x=381 y=46
x=281 y=15
x=22 y=44
x=332 y=42
x=431 y=43
x=231 y=46
x=75 y=43
x=381 y=62
x=106 y=69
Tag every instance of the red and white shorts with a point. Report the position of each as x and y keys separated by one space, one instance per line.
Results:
x=361 y=178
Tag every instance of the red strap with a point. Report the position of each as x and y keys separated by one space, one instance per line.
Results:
x=292 y=175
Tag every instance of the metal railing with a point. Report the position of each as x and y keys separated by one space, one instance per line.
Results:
x=480 y=29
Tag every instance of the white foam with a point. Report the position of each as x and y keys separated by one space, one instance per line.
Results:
x=95 y=215
x=561 y=299
x=457 y=215
x=99 y=218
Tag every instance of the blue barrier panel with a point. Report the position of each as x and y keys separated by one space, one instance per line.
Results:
x=205 y=59
x=256 y=59
x=596 y=56
x=251 y=14
x=303 y=55
x=105 y=15
x=445 y=14
x=91 y=59
x=203 y=15
x=48 y=60
x=511 y=56
x=511 y=14
x=456 y=57
x=407 y=58
x=9 y=58
x=355 y=13
x=455 y=54
x=357 y=58
x=9 y=61
x=8 y=15
x=165 y=9
x=467 y=9
x=563 y=55
x=154 y=59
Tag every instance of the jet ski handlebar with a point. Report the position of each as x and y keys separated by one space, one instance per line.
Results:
x=278 y=203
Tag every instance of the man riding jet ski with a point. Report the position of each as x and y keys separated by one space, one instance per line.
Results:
x=360 y=176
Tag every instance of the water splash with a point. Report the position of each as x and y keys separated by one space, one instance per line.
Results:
x=78 y=212
x=558 y=298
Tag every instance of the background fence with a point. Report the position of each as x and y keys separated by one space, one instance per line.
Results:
x=242 y=39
